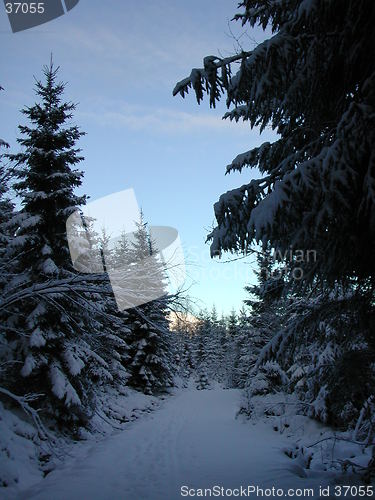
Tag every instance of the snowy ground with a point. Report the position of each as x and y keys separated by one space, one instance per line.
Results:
x=193 y=440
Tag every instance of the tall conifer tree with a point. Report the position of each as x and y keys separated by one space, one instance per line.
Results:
x=57 y=351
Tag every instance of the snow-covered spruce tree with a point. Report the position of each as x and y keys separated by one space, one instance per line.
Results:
x=110 y=336
x=181 y=337
x=151 y=360
x=266 y=318
x=223 y=356
x=233 y=349
x=202 y=382
x=235 y=346
x=240 y=340
x=187 y=357
x=216 y=347
x=121 y=252
x=58 y=353
x=313 y=82
x=115 y=331
x=205 y=344
x=232 y=323
x=321 y=361
x=312 y=350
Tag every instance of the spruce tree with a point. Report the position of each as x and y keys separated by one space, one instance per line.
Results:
x=265 y=304
x=315 y=355
x=151 y=362
x=187 y=357
x=232 y=349
x=203 y=342
x=232 y=323
x=57 y=349
x=222 y=356
x=202 y=381
x=121 y=252
x=313 y=82
x=265 y=319
x=240 y=346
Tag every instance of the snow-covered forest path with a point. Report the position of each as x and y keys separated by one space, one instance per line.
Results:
x=193 y=440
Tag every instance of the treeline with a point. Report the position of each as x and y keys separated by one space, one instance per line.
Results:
x=63 y=340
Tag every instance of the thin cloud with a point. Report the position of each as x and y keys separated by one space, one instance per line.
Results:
x=161 y=120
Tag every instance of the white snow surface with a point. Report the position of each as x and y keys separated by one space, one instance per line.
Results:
x=194 y=439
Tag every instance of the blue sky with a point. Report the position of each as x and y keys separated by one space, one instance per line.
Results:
x=121 y=61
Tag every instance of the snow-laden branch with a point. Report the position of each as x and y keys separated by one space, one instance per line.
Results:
x=23 y=402
x=76 y=283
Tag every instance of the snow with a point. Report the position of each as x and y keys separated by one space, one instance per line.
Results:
x=49 y=267
x=18 y=453
x=39 y=310
x=46 y=250
x=61 y=386
x=74 y=362
x=264 y=213
x=25 y=458
x=37 y=338
x=28 y=366
x=193 y=440
x=30 y=221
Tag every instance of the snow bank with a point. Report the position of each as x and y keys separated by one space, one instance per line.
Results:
x=315 y=450
x=25 y=459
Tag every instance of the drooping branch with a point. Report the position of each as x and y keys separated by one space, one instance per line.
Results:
x=23 y=402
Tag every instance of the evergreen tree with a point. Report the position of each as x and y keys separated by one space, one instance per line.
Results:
x=265 y=305
x=233 y=350
x=241 y=353
x=213 y=349
x=116 y=331
x=54 y=335
x=315 y=355
x=149 y=342
x=222 y=357
x=121 y=253
x=183 y=348
x=214 y=317
x=105 y=250
x=202 y=381
x=203 y=342
x=232 y=324
x=187 y=357
x=257 y=329
x=313 y=82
